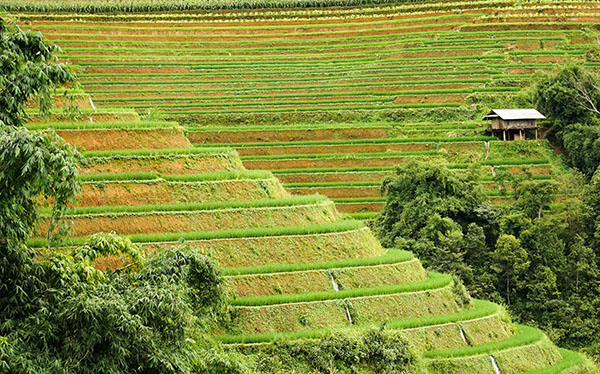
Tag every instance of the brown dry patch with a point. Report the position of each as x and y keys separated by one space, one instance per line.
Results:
x=330 y=163
x=175 y=222
x=338 y=192
x=334 y=177
x=252 y=136
x=430 y=99
x=174 y=165
x=320 y=280
x=115 y=139
x=144 y=193
x=350 y=149
x=284 y=249
x=548 y=59
x=360 y=207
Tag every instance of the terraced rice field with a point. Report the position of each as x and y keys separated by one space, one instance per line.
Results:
x=295 y=268
x=329 y=99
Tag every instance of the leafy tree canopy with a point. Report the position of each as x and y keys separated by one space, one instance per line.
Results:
x=29 y=72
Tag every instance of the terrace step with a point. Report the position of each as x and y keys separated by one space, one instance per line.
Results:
x=292 y=148
x=186 y=220
x=167 y=161
x=322 y=280
x=241 y=135
x=120 y=139
x=304 y=312
x=528 y=349
x=161 y=191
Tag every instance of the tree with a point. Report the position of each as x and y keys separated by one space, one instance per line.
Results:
x=33 y=165
x=29 y=72
x=510 y=260
x=535 y=196
x=421 y=190
x=582 y=144
x=571 y=96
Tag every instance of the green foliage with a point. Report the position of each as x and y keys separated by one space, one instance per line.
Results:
x=102 y=244
x=75 y=319
x=33 y=166
x=418 y=192
x=29 y=71
x=510 y=260
x=571 y=96
x=376 y=350
x=582 y=144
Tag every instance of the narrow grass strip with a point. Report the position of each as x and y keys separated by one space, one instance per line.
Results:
x=437 y=139
x=159 y=152
x=101 y=125
x=190 y=207
x=525 y=335
x=393 y=256
x=482 y=309
x=341 y=155
x=435 y=281
x=524 y=162
x=203 y=177
x=361 y=215
x=329 y=126
x=220 y=175
x=110 y=177
x=569 y=360
x=340 y=226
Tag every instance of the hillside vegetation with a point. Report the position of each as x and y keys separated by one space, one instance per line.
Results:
x=265 y=105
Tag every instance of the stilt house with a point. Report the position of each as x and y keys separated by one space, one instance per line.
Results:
x=513 y=124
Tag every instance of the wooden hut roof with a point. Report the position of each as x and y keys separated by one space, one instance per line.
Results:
x=514 y=114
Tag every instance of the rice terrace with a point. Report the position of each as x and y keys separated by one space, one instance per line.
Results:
x=300 y=186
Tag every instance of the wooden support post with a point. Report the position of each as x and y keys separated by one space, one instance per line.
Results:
x=520 y=134
x=536 y=133
x=504 y=134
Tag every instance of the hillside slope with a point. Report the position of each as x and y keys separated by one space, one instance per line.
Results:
x=295 y=268
x=330 y=99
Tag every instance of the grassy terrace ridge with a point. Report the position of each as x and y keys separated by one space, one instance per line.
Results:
x=437 y=139
x=434 y=281
x=569 y=360
x=340 y=226
x=204 y=177
x=393 y=256
x=525 y=335
x=481 y=309
x=190 y=207
x=158 y=152
x=329 y=126
x=508 y=162
x=341 y=155
x=102 y=125
x=378 y=183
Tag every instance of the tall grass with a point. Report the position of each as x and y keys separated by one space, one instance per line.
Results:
x=342 y=155
x=203 y=177
x=437 y=139
x=339 y=226
x=391 y=257
x=160 y=152
x=190 y=207
x=569 y=360
x=525 y=335
x=100 y=125
x=434 y=281
x=482 y=309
